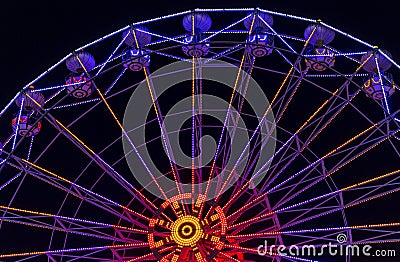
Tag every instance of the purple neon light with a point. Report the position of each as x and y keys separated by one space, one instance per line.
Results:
x=381 y=84
x=226 y=28
x=115 y=81
x=279 y=36
x=11 y=180
x=17 y=127
x=161 y=36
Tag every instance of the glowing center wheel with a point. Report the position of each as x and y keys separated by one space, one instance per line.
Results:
x=197 y=233
x=186 y=231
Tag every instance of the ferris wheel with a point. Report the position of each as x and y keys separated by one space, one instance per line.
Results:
x=206 y=135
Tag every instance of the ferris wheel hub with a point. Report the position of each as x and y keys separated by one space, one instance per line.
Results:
x=186 y=230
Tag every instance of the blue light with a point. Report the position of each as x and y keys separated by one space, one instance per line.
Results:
x=225 y=10
x=17 y=125
x=222 y=53
x=382 y=87
x=112 y=54
x=389 y=58
x=348 y=35
x=9 y=104
x=289 y=16
x=229 y=26
x=77 y=103
x=159 y=18
x=161 y=36
x=30 y=150
x=115 y=81
x=270 y=28
x=258 y=38
x=165 y=40
x=53 y=96
x=11 y=180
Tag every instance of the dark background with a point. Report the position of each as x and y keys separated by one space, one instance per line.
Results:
x=36 y=34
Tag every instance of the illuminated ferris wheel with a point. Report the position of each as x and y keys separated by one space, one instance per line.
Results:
x=201 y=136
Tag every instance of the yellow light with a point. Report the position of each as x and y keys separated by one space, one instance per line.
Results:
x=186 y=231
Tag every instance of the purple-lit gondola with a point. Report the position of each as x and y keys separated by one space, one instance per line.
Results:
x=379 y=84
x=194 y=44
x=25 y=120
x=135 y=58
x=30 y=100
x=319 y=57
x=78 y=82
x=26 y=123
x=260 y=40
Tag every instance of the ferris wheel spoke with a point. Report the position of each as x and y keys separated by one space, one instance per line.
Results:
x=255 y=251
x=295 y=139
x=73 y=250
x=151 y=255
x=227 y=256
x=268 y=109
x=369 y=142
x=227 y=28
x=138 y=195
x=228 y=112
x=164 y=135
x=245 y=183
x=309 y=234
x=239 y=102
x=92 y=155
x=224 y=53
x=292 y=208
x=196 y=129
x=312 y=165
x=86 y=149
x=296 y=200
x=379 y=237
x=275 y=33
x=94 y=255
x=14 y=178
x=362 y=199
x=82 y=193
x=373 y=143
x=147 y=203
x=121 y=127
x=62 y=221
x=290 y=92
x=314 y=212
x=100 y=162
x=66 y=224
x=160 y=118
x=338 y=209
x=254 y=134
x=308 y=122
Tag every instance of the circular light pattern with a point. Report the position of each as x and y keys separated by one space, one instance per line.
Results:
x=294 y=200
x=203 y=225
x=186 y=231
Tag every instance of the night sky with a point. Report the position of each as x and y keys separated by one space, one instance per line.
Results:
x=35 y=35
